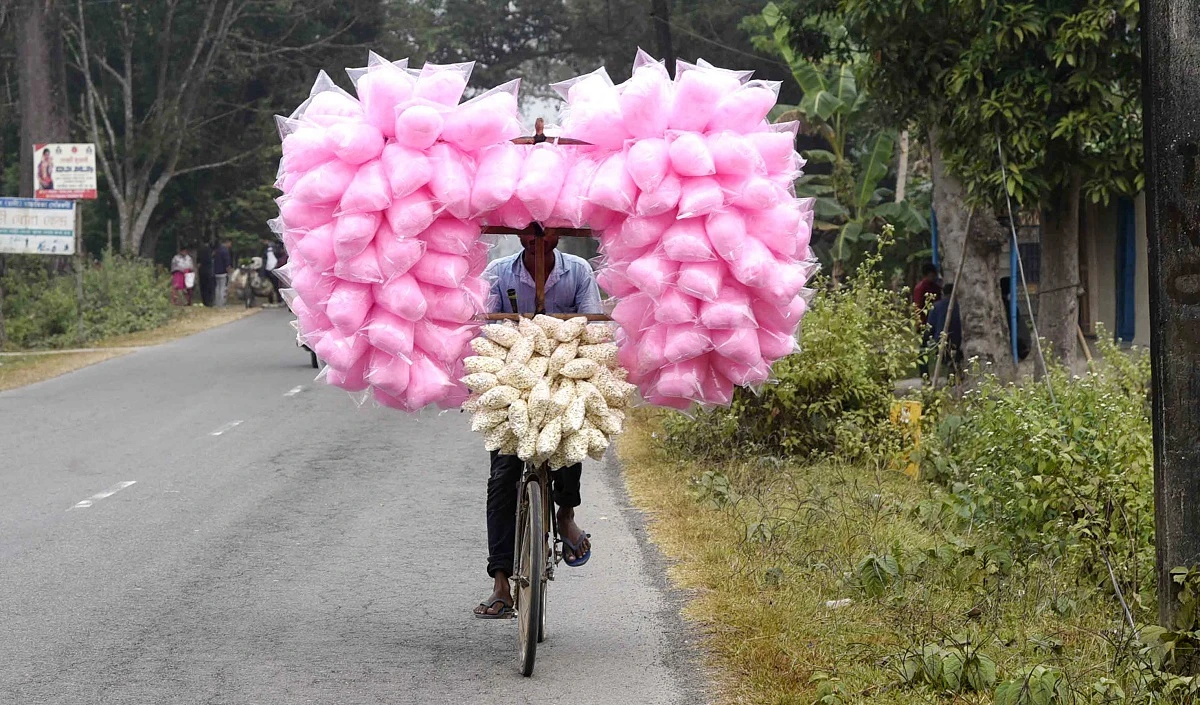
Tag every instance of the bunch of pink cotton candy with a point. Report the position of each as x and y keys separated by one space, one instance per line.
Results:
x=385 y=256
x=705 y=244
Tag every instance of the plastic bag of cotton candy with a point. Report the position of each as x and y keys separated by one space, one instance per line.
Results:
x=385 y=277
x=547 y=390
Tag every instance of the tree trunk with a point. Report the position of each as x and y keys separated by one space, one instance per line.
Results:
x=985 y=336
x=661 y=12
x=902 y=168
x=40 y=79
x=1058 y=297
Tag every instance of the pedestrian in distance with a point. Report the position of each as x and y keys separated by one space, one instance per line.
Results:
x=222 y=268
x=182 y=277
x=926 y=290
x=272 y=258
x=944 y=321
x=207 y=277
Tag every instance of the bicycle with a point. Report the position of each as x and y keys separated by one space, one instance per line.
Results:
x=537 y=552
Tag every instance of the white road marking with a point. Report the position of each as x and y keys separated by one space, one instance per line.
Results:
x=101 y=495
x=226 y=428
x=294 y=391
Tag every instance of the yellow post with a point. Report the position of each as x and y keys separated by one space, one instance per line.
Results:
x=906 y=415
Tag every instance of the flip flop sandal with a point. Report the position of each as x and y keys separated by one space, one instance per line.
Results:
x=506 y=610
x=574 y=548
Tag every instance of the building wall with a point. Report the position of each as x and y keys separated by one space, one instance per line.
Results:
x=1099 y=245
x=1098 y=251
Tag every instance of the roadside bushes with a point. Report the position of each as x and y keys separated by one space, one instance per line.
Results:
x=834 y=396
x=121 y=295
x=1069 y=476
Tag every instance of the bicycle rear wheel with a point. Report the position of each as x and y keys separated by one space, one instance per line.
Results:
x=531 y=563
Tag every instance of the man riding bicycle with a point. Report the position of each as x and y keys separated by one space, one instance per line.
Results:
x=570 y=287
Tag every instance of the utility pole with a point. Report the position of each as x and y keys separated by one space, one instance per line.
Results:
x=661 y=12
x=1171 y=88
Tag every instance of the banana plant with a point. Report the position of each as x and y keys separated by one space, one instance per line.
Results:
x=850 y=206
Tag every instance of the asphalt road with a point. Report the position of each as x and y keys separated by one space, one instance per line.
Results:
x=280 y=545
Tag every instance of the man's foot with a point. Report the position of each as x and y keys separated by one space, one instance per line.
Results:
x=500 y=603
x=572 y=535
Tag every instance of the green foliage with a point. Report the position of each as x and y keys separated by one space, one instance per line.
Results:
x=849 y=201
x=834 y=396
x=1041 y=686
x=121 y=295
x=955 y=667
x=1057 y=82
x=1068 y=475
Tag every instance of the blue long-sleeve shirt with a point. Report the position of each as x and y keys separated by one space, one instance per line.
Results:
x=570 y=288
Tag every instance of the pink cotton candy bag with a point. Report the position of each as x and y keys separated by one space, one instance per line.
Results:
x=648 y=162
x=541 y=181
x=390 y=333
x=686 y=241
x=369 y=190
x=354 y=142
x=441 y=269
x=402 y=296
x=406 y=169
x=702 y=280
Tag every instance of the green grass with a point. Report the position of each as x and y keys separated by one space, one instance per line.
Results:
x=768 y=548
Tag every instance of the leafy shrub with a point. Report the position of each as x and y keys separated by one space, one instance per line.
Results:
x=1065 y=474
x=834 y=395
x=121 y=295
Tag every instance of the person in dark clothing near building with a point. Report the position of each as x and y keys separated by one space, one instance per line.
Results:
x=943 y=320
x=222 y=267
x=204 y=268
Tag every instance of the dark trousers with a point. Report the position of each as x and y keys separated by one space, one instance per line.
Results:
x=502 y=505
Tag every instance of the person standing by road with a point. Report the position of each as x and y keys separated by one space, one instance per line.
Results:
x=208 y=280
x=570 y=287
x=182 y=265
x=271 y=260
x=222 y=267
x=927 y=289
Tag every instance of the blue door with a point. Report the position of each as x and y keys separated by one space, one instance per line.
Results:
x=1126 y=270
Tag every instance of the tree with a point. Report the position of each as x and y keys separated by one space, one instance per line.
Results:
x=41 y=77
x=170 y=88
x=851 y=204
x=1054 y=84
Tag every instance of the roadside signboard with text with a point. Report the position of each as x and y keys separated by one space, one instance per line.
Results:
x=64 y=171
x=37 y=226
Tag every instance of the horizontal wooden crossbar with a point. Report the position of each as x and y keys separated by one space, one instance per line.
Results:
x=560 y=316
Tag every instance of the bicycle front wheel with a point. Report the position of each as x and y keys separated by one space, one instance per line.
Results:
x=531 y=563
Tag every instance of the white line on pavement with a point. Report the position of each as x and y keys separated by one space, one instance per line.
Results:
x=227 y=427
x=294 y=391
x=101 y=495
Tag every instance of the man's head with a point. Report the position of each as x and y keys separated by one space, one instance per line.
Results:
x=947 y=290
x=227 y=243
x=45 y=154
x=529 y=242
x=929 y=271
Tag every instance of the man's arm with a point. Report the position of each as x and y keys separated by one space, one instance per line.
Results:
x=494 y=304
x=587 y=291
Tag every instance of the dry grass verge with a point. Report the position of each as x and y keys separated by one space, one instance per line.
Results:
x=791 y=570
x=20 y=370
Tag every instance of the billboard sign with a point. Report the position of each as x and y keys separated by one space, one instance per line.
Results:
x=64 y=171
x=37 y=226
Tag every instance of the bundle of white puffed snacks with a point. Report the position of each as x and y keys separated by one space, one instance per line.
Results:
x=547 y=390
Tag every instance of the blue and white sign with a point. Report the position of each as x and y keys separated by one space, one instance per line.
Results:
x=37 y=226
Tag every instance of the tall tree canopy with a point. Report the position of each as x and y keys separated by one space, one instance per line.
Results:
x=1054 y=84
